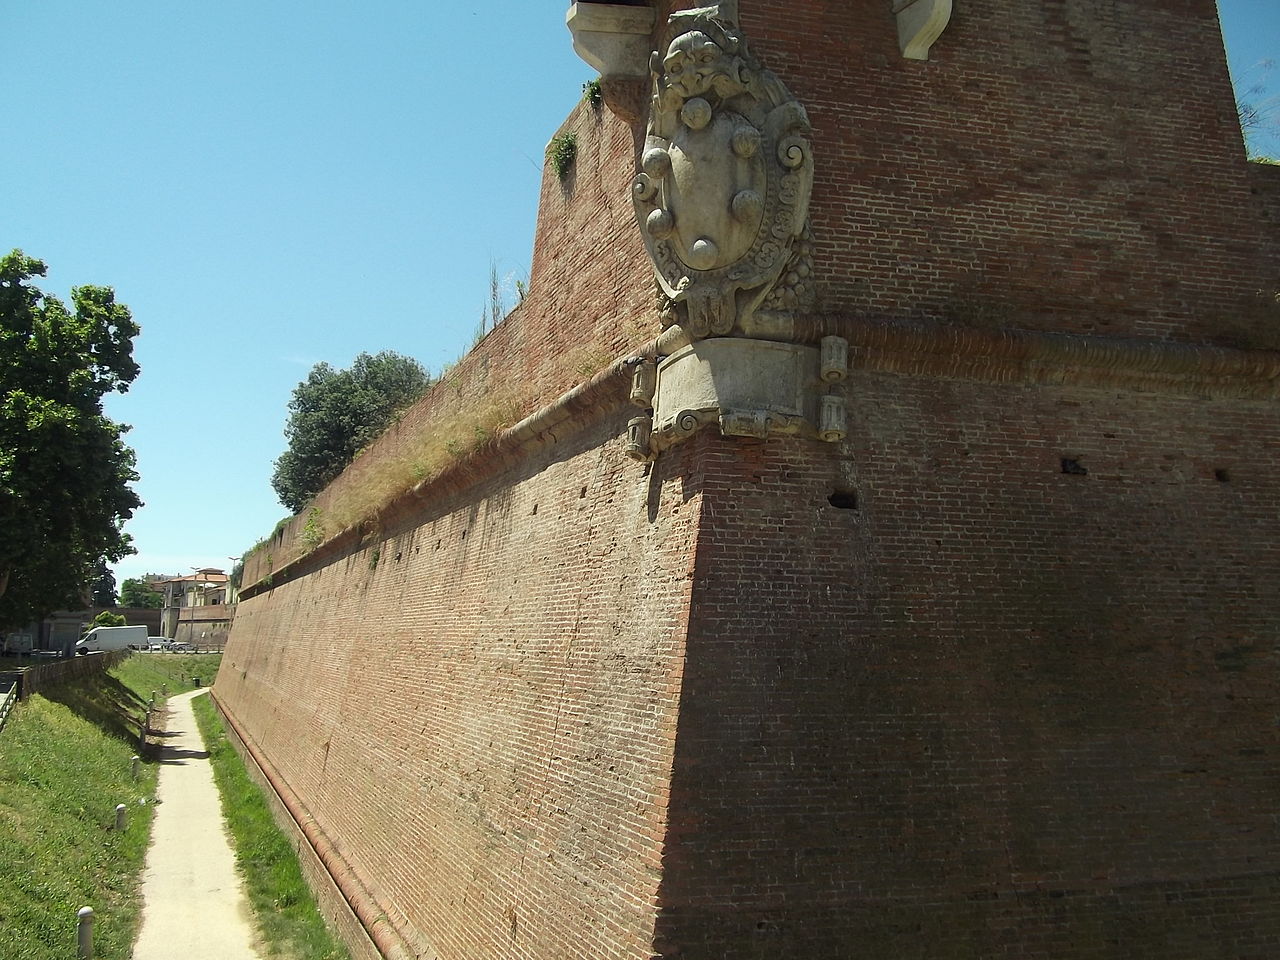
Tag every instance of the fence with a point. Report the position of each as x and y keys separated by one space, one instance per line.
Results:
x=8 y=697
x=34 y=679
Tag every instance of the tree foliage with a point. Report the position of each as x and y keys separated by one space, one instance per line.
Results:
x=104 y=586
x=64 y=468
x=139 y=593
x=334 y=413
x=108 y=619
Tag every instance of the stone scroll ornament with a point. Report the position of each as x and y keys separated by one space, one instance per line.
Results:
x=723 y=193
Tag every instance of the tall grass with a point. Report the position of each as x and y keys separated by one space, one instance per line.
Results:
x=64 y=765
x=282 y=903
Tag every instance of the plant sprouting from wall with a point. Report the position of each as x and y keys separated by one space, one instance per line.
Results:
x=591 y=92
x=313 y=530
x=561 y=152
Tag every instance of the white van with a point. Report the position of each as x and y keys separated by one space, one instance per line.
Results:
x=112 y=638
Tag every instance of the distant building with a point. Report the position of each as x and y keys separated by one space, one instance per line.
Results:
x=197 y=608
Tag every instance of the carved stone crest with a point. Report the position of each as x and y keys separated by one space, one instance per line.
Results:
x=723 y=193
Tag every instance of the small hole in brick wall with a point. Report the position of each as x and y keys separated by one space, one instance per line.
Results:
x=464 y=534
x=1074 y=467
x=582 y=493
x=535 y=510
x=1222 y=476
x=398 y=558
x=844 y=499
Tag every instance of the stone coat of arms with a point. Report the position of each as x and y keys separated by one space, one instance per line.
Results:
x=723 y=192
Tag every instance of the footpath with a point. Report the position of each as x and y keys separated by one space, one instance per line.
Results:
x=193 y=901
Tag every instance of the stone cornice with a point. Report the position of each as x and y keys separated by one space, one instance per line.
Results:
x=1026 y=356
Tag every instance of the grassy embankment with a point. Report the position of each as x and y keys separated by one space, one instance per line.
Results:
x=287 y=916
x=64 y=765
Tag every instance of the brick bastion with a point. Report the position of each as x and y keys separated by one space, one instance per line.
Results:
x=963 y=646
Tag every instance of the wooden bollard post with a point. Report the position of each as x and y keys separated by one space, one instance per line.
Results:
x=84 y=933
x=121 y=811
x=135 y=758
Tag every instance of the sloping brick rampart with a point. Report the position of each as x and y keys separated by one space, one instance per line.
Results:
x=985 y=708
x=992 y=678
x=478 y=709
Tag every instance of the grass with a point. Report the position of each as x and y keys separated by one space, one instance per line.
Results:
x=287 y=916
x=150 y=673
x=64 y=765
x=436 y=447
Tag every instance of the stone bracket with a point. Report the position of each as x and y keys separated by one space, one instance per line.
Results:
x=920 y=23
x=749 y=388
x=613 y=38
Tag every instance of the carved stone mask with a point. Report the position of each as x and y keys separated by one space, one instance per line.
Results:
x=693 y=63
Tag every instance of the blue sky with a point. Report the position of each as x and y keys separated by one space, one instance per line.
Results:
x=269 y=185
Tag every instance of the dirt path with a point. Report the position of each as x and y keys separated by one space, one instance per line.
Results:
x=193 y=902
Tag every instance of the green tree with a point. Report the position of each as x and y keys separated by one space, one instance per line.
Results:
x=64 y=468
x=139 y=593
x=104 y=586
x=334 y=413
x=108 y=619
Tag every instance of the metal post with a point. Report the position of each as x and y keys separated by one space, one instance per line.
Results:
x=135 y=758
x=84 y=933
x=164 y=690
x=120 y=815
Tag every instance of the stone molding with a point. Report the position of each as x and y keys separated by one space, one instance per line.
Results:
x=920 y=23
x=1027 y=356
x=748 y=388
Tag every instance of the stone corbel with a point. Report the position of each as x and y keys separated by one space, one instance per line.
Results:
x=920 y=23
x=613 y=38
x=748 y=388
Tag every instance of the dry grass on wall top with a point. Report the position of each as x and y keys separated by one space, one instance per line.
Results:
x=431 y=448
x=376 y=479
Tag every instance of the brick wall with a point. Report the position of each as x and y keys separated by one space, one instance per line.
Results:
x=478 y=708
x=1008 y=696
x=997 y=710
x=590 y=300
x=1056 y=164
x=1264 y=180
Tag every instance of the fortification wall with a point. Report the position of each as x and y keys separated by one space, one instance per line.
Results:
x=990 y=678
x=478 y=708
x=1265 y=182
x=590 y=300
x=995 y=710
x=1063 y=165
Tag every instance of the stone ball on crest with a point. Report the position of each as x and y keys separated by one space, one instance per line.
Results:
x=696 y=113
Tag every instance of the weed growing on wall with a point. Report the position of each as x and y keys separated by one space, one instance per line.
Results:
x=561 y=152
x=313 y=530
